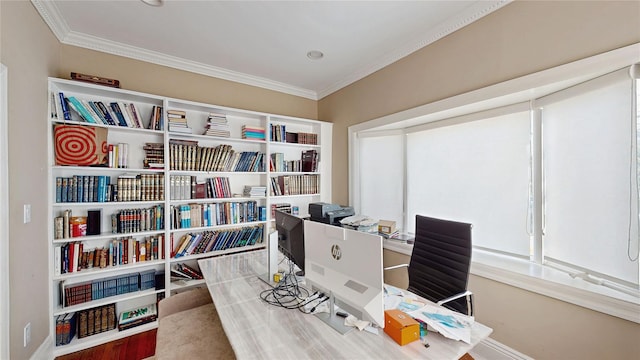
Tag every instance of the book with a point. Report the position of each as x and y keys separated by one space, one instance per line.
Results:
x=77 y=106
x=138 y=316
x=65 y=108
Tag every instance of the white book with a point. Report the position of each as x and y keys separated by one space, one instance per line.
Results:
x=57 y=260
x=126 y=114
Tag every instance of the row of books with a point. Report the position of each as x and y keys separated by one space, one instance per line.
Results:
x=80 y=293
x=200 y=215
x=192 y=157
x=73 y=257
x=96 y=320
x=137 y=220
x=278 y=133
x=140 y=187
x=180 y=271
x=98 y=188
x=118 y=155
x=253 y=133
x=116 y=113
x=308 y=162
x=85 y=323
x=303 y=138
x=185 y=187
x=294 y=185
x=207 y=241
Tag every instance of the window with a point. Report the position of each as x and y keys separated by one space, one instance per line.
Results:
x=552 y=181
x=475 y=172
x=590 y=181
x=382 y=174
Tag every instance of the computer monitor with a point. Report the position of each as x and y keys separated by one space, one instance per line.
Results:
x=347 y=265
x=291 y=238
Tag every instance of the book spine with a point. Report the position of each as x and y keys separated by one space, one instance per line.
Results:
x=65 y=108
x=79 y=108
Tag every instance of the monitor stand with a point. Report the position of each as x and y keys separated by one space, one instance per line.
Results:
x=333 y=320
x=272 y=259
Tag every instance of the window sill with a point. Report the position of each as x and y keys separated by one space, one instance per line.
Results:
x=545 y=281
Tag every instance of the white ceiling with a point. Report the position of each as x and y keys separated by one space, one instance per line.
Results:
x=263 y=43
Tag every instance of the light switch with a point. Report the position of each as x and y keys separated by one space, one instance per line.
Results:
x=27 y=213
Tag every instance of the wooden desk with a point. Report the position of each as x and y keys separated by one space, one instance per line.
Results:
x=258 y=330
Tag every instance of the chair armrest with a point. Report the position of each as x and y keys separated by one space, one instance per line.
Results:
x=396 y=267
x=468 y=294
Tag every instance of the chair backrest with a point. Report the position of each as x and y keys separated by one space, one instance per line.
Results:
x=440 y=261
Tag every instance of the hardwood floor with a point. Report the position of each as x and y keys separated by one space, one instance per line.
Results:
x=135 y=347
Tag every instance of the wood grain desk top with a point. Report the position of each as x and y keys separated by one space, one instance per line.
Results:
x=258 y=330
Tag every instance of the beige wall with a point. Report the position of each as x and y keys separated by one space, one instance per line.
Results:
x=155 y=79
x=30 y=52
x=518 y=39
x=521 y=38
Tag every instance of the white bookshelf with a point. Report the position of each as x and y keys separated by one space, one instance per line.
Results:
x=135 y=138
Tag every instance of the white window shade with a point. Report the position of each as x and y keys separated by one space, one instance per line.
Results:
x=590 y=210
x=382 y=177
x=475 y=172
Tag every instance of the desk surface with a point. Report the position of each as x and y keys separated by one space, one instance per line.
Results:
x=258 y=330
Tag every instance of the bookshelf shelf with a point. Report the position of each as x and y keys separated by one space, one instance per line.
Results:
x=217 y=253
x=104 y=301
x=212 y=200
x=148 y=159
x=109 y=235
x=106 y=204
x=216 y=227
x=177 y=285
x=91 y=273
x=98 y=339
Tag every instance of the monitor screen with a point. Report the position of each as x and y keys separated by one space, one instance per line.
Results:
x=291 y=237
x=348 y=265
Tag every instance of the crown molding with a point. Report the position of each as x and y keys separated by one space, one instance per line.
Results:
x=116 y=48
x=52 y=17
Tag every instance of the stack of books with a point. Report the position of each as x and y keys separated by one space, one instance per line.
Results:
x=178 y=121
x=217 y=125
x=154 y=156
x=185 y=272
x=252 y=133
x=284 y=207
x=135 y=317
x=255 y=191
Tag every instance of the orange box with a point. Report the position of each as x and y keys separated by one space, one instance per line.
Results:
x=401 y=327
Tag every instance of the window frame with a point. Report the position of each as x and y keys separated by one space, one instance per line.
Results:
x=532 y=275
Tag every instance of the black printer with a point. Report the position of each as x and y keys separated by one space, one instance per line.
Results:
x=329 y=213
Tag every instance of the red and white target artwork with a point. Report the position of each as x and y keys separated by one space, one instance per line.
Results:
x=80 y=145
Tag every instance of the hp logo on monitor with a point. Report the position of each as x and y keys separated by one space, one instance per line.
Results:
x=336 y=252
